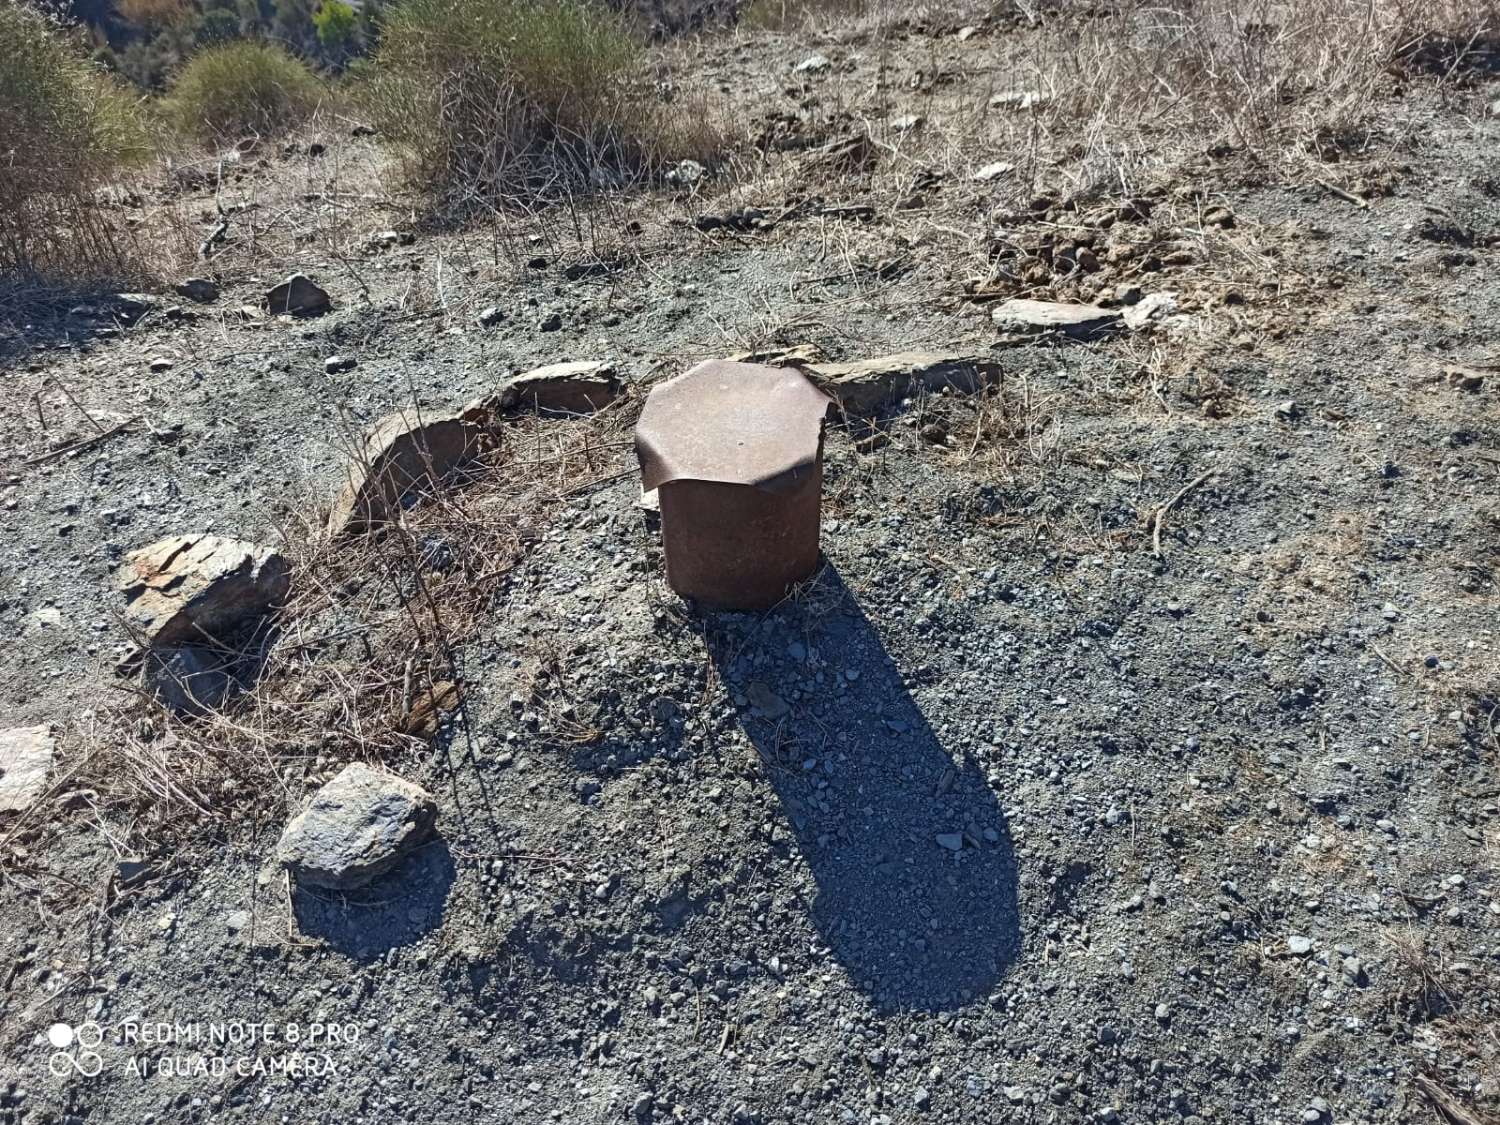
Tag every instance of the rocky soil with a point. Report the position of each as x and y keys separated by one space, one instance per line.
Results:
x=1133 y=755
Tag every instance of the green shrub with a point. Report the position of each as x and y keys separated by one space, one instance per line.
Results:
x=338 y=28
x=242 y=88
x=66 y=131
x=488 y=93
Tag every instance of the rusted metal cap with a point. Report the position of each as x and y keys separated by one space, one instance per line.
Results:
x=736 y=452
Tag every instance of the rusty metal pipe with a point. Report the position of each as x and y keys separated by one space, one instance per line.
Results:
x=735 y=451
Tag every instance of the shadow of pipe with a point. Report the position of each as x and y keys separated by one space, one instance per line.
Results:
x=909 y=849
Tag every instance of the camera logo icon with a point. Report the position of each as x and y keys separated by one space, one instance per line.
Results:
x=74 y=1049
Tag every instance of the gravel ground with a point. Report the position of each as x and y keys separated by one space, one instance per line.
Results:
x=1133 y=754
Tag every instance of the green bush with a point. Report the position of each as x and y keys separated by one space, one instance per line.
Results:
x=488 y=92
x=66 y=131
x=227 y=92
x=338 y=28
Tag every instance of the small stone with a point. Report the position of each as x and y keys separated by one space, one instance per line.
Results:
x=812 y=65
x=921 y=1098
x=1289 y=410
x=993 y=171
x=967 y=33
x=357 y=827
x=552 y=322
x=686 y=173
x=771 y=705
x=337 y=363
x=1017 y=99
x=237 y=920
x=953 y=841
x=906 y=122
x=1163 y=1013
x=1150 y=309
x=198 y=289
x=298 y=295
x=1299 y=945
x=161 y=363
x=491 y=316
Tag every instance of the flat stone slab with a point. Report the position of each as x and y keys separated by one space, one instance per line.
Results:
x=579 y=387
x=26 y=755
x=1080 y=322
x=356 y=828
x=402 y=454
x=191 y=589
x=866 y=385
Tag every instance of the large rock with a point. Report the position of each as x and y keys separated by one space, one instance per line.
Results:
x=863 y=387
x=558 y=388
x=194 y=589
x=1080 y=322
x=298 y=295
x=26 y=755
x=357 y=827
x=404 y=455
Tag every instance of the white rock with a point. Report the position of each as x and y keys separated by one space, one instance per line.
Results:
x=26 y=755
x=993 y=171
x=1077 y=321
x=1018 y=99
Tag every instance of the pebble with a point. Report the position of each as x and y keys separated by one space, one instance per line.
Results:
x=1299 y=945
x=491 y=317
x=337 y=363
x=953 y=841
x=921 y=1099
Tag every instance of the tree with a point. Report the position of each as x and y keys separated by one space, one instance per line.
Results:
x=337 y=27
